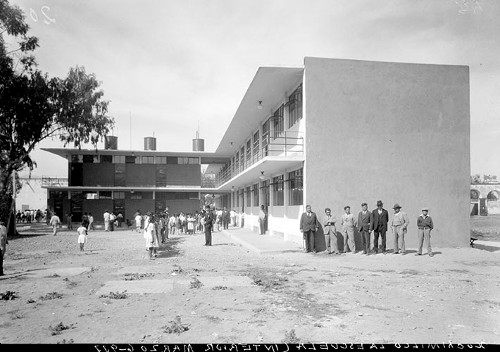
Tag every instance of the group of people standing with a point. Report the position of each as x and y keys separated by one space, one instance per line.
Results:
x=376 y=221
x=27 y=216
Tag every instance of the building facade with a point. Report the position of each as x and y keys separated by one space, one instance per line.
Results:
x=343 y=132
x=126 y=181
x=330 y=133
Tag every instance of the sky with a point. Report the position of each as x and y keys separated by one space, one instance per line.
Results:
x=167 y=66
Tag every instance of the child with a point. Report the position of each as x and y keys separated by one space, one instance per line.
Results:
x=82 y=235
x=149 y=236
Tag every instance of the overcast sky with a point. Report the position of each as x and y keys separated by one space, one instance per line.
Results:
x=169 y=64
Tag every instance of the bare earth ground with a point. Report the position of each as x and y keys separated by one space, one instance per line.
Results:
x=241 y=296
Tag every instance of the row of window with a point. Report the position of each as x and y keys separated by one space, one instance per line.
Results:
x=93 y=195
x=293 y=185
x=242 y=158
x=130 y=159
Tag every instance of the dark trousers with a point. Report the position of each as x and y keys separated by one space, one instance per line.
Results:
x=365 y=240
x=208 y=236
x=309 y=237
x=262 y=225
x=1 y=262
x=376 y=234
x=225 y=224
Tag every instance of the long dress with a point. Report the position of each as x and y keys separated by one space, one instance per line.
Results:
x=82 y=234
x=149 y=235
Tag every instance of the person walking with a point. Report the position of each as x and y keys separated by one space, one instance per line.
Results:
x=82 y=236
x=262 y=219
x=309 y=224
x=365 y=220
x=208 y=221
x=330 y=232
x=91 y=222
x=425 y=226
x=399 y=227
x=106 y=217
x=379 y=226
x=149 y=236
x=348 y=223
x=54 y=222
x=3 y=244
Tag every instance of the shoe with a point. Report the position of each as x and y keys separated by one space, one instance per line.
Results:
x=367 y=254
x=384 y=252
x=418 y=254
x=402 y=253
x=431 y=254
x=395 y=252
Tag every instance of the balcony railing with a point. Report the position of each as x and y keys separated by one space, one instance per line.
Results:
x=283 y=144
x=54 y=181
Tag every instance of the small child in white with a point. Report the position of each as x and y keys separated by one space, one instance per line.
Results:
x=82 y=236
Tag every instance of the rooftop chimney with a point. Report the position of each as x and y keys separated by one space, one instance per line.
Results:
x=149 y=143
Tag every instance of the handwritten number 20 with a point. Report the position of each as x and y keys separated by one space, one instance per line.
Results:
x=44 y=10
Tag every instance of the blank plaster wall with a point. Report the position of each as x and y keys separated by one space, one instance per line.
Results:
x=394 y=132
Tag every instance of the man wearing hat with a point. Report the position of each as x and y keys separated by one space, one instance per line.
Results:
x=399 y=227
x=365 y=220
x=425 y=225
x=379 y=226
x=330 y=232
x=348 y=223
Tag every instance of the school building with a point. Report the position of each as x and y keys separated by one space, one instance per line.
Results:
x=330 y=133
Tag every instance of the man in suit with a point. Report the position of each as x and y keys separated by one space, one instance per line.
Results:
x=309 y=225
x=208 y=221
x=364 y=225
x=379 y=226
x=330 y=232
x=225 y=219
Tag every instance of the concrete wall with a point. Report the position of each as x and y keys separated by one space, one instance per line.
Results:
x=140 y=175
x=394 y=132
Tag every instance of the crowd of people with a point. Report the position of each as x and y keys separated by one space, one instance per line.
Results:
x=28 y=216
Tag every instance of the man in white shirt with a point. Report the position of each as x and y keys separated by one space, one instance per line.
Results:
x=399 y=227
x=112 y=219
x=54 y=222
x=138 y=221
x=348 y=223
x=106 y=220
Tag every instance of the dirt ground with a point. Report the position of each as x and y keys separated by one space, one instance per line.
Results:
x=112 y=293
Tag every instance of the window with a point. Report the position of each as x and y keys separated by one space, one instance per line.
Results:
x=249 y=196
x=105 y=195
x=255 y=145
x=237 y=163
x=295 y=106
x=90 y=159
x=138 y=160
x=255 y=191
x=160 y=159
x=75 y=158
x=278 y=121
x=242 y=158
x=135 y=195
x=119 y=159
x=265 y=192
x=295 y=187
x=148 y=159
x=119 y=195
x=106 y=159
x=265 y=137
x=249 y=151
x=90 y=195
x=278 y=197
x=130 y=159
x=120 y=176
x=188 y=161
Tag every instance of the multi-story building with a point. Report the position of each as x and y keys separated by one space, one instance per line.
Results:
x=343 y=132
x=330 y=133
x=129 y=180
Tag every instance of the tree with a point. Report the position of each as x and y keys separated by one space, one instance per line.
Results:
x=34 y=107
